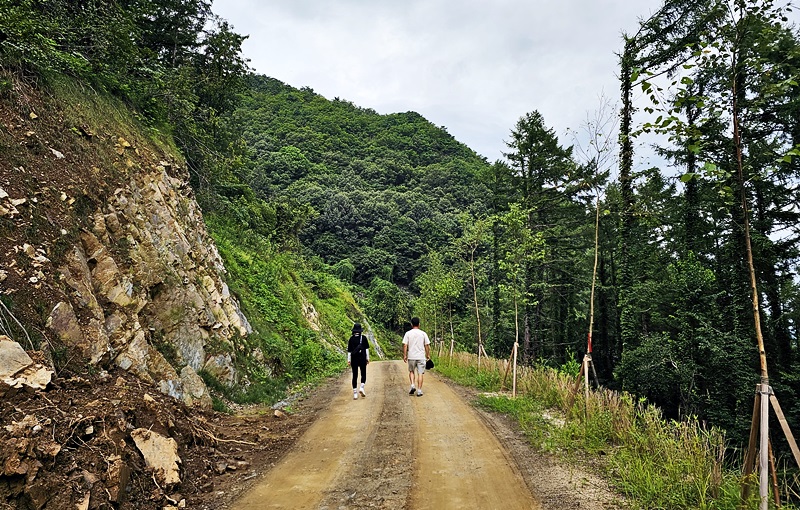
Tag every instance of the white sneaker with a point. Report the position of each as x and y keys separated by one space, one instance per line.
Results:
x=362 y=392
x=355 y=395
x=419 y=393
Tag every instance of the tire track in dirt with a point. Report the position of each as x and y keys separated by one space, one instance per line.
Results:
x=460 y=462
x=382 y=474
x=394 y=451
x=324 y=452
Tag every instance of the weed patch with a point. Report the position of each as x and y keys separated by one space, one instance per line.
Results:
x=654 y=462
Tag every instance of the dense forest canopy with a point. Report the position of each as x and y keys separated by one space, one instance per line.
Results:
x=493 y=253
x=385 y=189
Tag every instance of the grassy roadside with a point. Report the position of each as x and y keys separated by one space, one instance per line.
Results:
x=654 y=463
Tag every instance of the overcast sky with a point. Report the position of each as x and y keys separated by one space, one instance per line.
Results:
x=472 y=66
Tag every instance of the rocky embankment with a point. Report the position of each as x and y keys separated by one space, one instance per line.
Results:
x=104 y=239
x=111 y=292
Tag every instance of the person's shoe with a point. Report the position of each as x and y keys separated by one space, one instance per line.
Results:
x=419 y=393
x=413 y=390
x=355 y=395
x=362 y=392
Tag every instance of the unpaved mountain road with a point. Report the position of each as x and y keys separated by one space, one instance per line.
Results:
x=396 y=451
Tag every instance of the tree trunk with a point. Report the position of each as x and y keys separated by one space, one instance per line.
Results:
x=627 y=319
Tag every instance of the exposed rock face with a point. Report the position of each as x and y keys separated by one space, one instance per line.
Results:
x=146 y=292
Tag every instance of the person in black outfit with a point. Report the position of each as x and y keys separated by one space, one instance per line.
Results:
x=358 y=357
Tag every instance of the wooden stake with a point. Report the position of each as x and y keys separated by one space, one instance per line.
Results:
x=574 y=392
x=763 y=454
x=508 y=367
x=452 y=333
x=587 y=359
x=750 y=456
x=785 y=426
x=775 y=493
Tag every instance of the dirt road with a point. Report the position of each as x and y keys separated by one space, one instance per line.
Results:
x=392 y=450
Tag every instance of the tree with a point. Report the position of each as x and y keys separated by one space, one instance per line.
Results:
x=470 y=246
x=438 y=286
x=552 y=188
x=522 y=249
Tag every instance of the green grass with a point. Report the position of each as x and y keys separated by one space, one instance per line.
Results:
x=301 y=315
x=654 y=463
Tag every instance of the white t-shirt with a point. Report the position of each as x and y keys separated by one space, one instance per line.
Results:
x=416 y=339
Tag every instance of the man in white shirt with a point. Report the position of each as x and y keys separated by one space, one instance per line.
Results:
x=416 y=350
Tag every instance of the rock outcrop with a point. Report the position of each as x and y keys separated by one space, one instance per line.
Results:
x=146 y=291
x=104 y=250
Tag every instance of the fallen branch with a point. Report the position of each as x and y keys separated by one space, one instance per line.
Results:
x=236 y=441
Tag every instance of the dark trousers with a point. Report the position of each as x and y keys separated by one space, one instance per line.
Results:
x=355 y=365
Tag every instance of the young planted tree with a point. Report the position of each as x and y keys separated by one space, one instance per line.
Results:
x=470 y=245
x=520 y=250
x=439 y=286
x=595 y=148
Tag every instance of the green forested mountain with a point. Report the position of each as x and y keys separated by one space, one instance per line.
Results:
x=487 y=253
x=398 y=207
x=385 y=189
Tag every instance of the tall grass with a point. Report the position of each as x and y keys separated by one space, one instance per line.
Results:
x=654 y=463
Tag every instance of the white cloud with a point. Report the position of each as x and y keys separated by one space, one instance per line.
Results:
x=473 y=66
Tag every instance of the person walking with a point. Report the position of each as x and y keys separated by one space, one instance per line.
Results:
x=358 y=358
x=416 y=350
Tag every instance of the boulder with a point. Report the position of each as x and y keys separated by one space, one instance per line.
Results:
x=160 y=453
x=17 y=369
